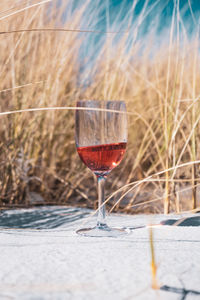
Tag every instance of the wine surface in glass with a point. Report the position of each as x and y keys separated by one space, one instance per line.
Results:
x=101 y=159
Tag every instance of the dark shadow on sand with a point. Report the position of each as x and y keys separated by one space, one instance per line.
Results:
x=183 y=292
x=191 y=221
x=40 y=218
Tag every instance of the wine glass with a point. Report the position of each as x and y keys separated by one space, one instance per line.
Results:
x=101 y=138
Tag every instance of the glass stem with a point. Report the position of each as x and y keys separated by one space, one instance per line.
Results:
x=101 y=206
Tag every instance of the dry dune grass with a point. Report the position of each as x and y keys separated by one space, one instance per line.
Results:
x=42 y=69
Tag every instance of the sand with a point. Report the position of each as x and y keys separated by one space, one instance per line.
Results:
x=43 y=258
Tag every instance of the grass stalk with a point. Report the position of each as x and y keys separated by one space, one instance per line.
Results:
x=154 y=282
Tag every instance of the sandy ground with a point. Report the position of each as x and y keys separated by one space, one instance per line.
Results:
x=43 y=258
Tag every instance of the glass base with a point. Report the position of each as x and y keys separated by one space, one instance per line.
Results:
x=103 y=231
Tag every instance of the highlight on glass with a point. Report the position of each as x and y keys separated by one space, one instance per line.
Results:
x=101 y=138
